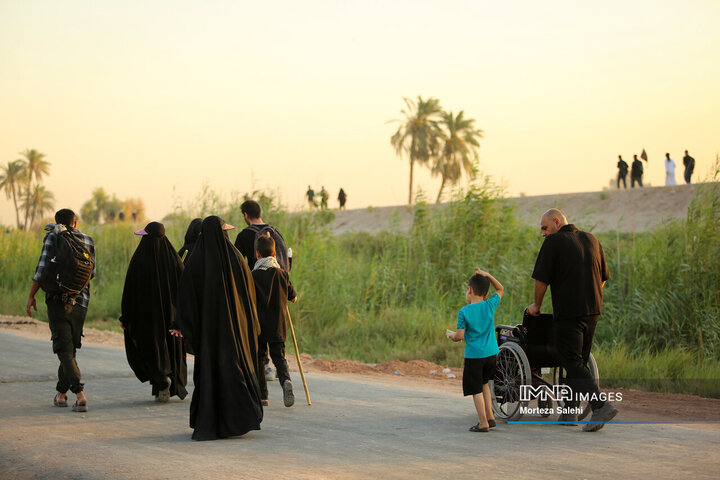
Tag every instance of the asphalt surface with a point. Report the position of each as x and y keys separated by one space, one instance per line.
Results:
x=354 y=429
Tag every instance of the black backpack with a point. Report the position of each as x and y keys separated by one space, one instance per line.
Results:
x=281 y=251
x=68 y=273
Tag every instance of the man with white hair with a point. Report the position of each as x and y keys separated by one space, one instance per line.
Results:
x=572 y=262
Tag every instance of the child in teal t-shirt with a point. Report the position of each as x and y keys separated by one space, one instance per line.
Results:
x=476 y=325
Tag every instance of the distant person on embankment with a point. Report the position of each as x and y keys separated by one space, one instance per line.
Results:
x=324 y=198
x=622 y=171
x=689 y=163
x=342 y=198
x=669 y=171
x=636 y=172
x=310 y=194
x=572 y=263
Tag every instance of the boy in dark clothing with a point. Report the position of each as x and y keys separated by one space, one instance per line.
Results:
x=273 y=290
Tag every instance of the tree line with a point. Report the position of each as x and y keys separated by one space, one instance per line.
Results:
x=432 y=137
x=21 y=181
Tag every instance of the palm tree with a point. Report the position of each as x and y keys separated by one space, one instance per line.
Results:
x=13 y=175
x=92 y=210
x=39 y=201
x=418 y=134
x=460 y=144
x=35 y=166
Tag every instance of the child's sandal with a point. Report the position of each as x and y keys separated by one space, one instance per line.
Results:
x=476 y=428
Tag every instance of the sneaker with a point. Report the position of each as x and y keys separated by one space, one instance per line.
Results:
x=586 y=411
x=602 y=416
x=265 y=403
x=164 y=394
x=269 y=374
x=288 y=396
x=569 y=419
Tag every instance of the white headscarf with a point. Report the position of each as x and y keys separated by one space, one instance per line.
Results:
x=265 y=263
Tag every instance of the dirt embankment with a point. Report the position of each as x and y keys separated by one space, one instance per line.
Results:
x=423 y=374
x=627 y=210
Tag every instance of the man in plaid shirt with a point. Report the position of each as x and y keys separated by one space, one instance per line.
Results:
x=66 y=321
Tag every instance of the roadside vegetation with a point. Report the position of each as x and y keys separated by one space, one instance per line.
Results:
x=388 y=296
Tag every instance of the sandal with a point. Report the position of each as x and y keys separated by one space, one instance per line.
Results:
x=476 y=428
x=59 y=404
x=79 y=408
x=491 y=423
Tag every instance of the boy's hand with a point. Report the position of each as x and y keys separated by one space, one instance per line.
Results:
x=449 y=333
x=175 y=333
x=480 y=272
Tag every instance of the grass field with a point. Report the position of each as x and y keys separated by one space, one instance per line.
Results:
x=392 y=295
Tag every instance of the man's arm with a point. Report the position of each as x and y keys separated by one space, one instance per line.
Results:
x=540 y=289
x=31 y=298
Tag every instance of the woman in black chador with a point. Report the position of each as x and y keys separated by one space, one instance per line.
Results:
x=216 y=315
x=191 y=236
x=148 y=308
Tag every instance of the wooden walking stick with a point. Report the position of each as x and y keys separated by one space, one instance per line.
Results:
x=297 y=355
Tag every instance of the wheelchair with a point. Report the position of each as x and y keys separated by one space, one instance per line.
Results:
x=528 y=357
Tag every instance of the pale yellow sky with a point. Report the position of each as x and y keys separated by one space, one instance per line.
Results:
x=146 y=97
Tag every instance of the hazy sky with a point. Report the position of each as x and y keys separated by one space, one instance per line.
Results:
x=147 y=97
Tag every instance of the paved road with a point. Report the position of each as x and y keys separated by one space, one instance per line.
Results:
x=353 y=430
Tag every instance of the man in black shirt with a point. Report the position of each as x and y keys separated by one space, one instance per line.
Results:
x=636 y=172
x=622 y=171
x=572 y=262
x=245 y=241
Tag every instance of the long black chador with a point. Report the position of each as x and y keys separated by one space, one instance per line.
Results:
x=216 y=314
x=148 y=309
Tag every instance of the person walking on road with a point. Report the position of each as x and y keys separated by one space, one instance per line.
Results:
x=476 y=325
x=622 y=171
x=273 y=290
x=66 y=312
x=148 y=308
x=572 y=263
x=216 y=314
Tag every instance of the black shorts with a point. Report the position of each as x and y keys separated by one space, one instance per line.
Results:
x=476 y=373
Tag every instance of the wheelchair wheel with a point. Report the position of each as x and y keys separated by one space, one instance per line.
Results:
x=513 y=370
x=559 y=376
